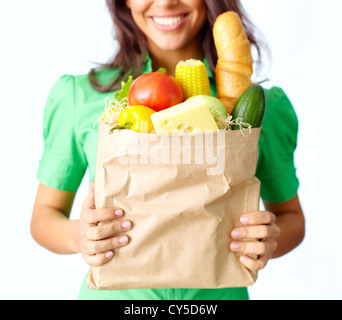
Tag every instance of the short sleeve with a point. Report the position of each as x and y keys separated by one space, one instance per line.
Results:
x=278 y=141
x=63 y=163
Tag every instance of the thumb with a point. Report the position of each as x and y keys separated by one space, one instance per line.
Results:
x=90 y=199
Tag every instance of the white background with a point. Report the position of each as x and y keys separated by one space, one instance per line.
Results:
x=42 y=40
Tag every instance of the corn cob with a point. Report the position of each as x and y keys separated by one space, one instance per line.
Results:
x=192 y=76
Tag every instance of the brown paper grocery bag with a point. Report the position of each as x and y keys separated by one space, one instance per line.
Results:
x=184 y=194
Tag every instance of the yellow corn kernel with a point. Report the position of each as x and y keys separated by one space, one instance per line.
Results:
x=193 y=77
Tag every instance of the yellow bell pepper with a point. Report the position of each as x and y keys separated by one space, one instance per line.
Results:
x=136 y=118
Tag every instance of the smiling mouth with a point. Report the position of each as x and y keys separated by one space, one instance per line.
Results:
x=168 y=21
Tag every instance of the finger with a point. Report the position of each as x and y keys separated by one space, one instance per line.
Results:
x=89 y=201
x=100 y=246
x=100 y=259
x=95 y=216
x=254 y=232
x=257 y=218
x=254 y=265
x=253 y=247
x=103 y=231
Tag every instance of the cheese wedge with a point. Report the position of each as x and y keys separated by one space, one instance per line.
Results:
x=188 y=117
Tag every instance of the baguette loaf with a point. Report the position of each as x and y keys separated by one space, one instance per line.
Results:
x=234 y=66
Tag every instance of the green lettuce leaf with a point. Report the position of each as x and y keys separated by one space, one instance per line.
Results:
x=123 y=93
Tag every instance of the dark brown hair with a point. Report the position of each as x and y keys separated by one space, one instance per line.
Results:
x=133 y=45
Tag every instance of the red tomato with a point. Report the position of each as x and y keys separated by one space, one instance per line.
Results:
x=156 y=90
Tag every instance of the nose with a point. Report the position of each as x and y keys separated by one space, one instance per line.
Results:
x=166 y=3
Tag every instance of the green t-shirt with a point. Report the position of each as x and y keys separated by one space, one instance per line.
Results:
x=70 y=145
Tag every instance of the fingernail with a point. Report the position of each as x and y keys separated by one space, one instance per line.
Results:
x=234 y=246
x=118 y=212
x=236 y=233
x=244 y=219
x=243 y=259
x=123 y=239
x=109 y=254
x=126 y=225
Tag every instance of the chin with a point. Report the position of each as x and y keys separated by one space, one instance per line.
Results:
x=168 y=45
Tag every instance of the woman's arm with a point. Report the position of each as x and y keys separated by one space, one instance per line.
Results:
x=50 y=224
x=290 y=220
x=269 y=234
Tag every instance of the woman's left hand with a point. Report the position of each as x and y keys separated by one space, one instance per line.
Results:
x=256 y=237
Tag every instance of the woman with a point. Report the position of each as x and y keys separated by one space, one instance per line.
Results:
x=153 y=34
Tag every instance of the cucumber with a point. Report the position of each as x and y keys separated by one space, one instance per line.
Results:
x=250 y=107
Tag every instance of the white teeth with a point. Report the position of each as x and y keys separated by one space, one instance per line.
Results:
x=167 y=21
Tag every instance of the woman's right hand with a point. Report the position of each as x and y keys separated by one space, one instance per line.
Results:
x=99 y=231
